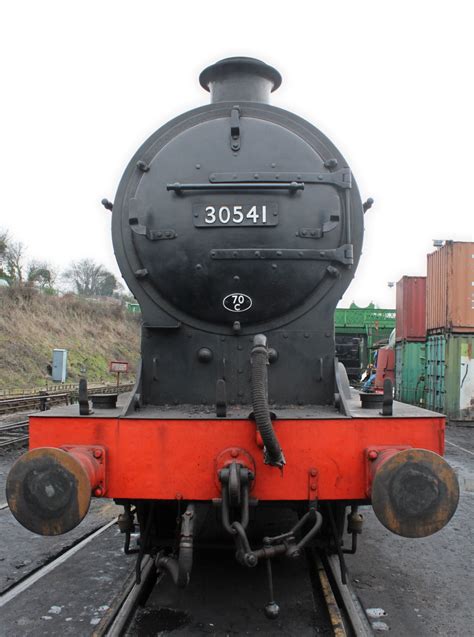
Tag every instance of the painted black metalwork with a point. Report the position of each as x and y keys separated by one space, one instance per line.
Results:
x=211 y=223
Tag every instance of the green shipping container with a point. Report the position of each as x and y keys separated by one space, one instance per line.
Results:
x=450 y=375
x=410 y=362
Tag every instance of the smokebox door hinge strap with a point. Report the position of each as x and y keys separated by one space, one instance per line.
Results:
x=339 y=179
x=235 y=128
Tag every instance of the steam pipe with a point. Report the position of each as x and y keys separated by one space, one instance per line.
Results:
x=180 y=568
x=259 y=360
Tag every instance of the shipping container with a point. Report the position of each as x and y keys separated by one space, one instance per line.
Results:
x=450 y=288
x=449 y=382
x=411 y=308
x=385 y=367
x=410 y=363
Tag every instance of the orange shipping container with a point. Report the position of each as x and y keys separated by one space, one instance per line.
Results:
x=450 y=288
x=411 y=308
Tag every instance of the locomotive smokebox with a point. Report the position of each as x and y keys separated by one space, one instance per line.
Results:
x=49 y=490
x=414 y=491
x=240 y=79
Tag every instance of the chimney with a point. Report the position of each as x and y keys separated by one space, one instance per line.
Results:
x=240 y=79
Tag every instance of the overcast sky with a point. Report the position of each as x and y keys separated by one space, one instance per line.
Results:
x=83 y=83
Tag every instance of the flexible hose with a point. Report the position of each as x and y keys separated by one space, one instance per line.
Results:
x=259 y=360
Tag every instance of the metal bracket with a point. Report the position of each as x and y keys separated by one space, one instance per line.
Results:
x=157 y=235
x=136 y=220
x=343 y=254
x=313 y=477
x=373 y=456
x=317 y=233
x=83 y=398
x=387 y=405
x=340 y=178
x=235 y=128
x=95 y=455
x=221 y=400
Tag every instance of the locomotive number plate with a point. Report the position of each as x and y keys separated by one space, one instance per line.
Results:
x=212 y=216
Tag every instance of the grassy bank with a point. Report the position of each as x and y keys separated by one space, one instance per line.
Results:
x=33 y=324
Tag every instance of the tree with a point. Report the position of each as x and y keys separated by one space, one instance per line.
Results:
x=15 y=269
x=14 y=262
x=41 y=274
x=3 y=253
x=90 y=278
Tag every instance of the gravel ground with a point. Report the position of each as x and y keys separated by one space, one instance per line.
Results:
x=72 y=599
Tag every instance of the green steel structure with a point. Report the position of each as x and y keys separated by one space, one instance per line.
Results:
x=371 y=322
x=133 y=308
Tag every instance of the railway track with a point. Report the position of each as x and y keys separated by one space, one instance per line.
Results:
x=326 y=605
x=13 y=434
x=45 y=400
x=16 y=433
x=343 y=614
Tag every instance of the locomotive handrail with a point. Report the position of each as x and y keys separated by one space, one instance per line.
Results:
x=290 y=185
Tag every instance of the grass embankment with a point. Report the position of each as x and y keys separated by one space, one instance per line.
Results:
x=94 y=333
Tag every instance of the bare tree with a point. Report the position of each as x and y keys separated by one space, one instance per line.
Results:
x=4 y=239
x=15 y=262
x=15 y=269
x=90 y=278
x=41 y=274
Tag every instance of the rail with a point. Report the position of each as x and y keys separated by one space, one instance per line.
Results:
x=122 y=610
x=46 y=400
x=55 y=388
x=9 y=434
x=346 y=616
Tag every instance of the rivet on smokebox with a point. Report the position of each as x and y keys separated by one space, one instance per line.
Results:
x=97 y=453
x=234 y=453
x=98 y=492
x=373 y=455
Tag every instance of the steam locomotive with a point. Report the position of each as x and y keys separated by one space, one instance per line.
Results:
x=237 y=226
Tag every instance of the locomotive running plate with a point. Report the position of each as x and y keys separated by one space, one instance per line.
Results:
x=235 y=216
